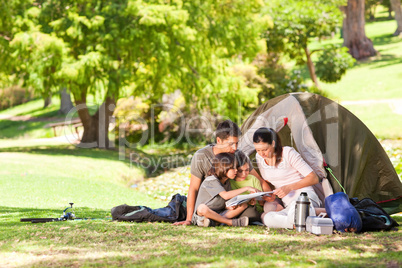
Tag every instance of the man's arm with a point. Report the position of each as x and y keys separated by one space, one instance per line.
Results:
x=264 y=184
x=195 y=183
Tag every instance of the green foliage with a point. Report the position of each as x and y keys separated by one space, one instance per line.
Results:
x=275 y=79
x=12 y=21
x=154 y=47
x=333 y=63
x=296 y=22
x=38 y=57
x=145 y=48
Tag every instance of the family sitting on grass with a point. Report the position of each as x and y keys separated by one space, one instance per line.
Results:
x=220 y=172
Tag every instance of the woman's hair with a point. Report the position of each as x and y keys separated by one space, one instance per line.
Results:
x=241 y=158
x=221 y=165
x=267 y=135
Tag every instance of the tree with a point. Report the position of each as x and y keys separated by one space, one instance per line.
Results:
x=354 y=34
x=65 y=102
x=296 y=23
x=371 y=6
x=12 y=21
x=149 y=48
x=396 y=7
x=38 y=57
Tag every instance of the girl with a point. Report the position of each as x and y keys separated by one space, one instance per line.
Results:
x=215 y=191
x=288 y=172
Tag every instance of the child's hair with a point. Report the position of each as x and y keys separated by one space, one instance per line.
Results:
x=267 y=135
x=221 y=165
x=241 y=158
x=227 y=129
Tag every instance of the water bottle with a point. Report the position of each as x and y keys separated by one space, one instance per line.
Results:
x=302 y=212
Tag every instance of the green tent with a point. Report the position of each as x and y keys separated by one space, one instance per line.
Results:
x=322 y=130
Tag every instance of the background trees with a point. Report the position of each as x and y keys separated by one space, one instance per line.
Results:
x=220 y=58
x=145 y=48
x=296 y=23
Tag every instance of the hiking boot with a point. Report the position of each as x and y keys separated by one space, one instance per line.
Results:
x=240 y=222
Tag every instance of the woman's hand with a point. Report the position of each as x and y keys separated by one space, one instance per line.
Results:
x=281 y=192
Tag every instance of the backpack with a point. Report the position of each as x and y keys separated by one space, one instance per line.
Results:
x=374 y=218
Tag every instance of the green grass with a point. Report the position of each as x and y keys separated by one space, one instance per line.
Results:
x=40 y=181
x=379 y=118
x=105 y=243
x=50 y=177
x=34 y=108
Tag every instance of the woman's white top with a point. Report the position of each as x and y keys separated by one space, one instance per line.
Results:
x=291 y=169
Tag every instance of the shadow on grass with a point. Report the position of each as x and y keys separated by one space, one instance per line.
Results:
x=385 y=39
x=384 y=61
x=70 y=150
x=15 y=129
x=160 y=245
x=377 y=19
x=9 y=216
x=42 y=113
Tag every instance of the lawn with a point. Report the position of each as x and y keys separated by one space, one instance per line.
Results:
x=40 y=181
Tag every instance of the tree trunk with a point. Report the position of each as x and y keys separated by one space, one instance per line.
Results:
x=65 y=102
x=96 y=127
x=47 y=101
x=396 y=6
x=390 y=12
x=311 y=68
x=354 y=34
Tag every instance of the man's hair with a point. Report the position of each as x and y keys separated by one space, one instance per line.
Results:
x=227 y=129
x=221 y=165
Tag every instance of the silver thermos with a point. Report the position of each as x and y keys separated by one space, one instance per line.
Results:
x=301 y=212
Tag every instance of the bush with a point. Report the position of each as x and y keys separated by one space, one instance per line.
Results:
x=333 y=63
x=13 y=96
x=277 y=79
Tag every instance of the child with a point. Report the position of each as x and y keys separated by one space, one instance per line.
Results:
x=243 y=179
x=215 y=191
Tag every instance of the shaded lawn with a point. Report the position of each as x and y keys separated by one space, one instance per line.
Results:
x=40 y=181
x=106 y=243
x=24 y=129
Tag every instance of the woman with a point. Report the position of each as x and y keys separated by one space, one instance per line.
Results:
x=284 y=168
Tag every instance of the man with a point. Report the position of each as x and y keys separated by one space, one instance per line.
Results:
x=227 y=138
